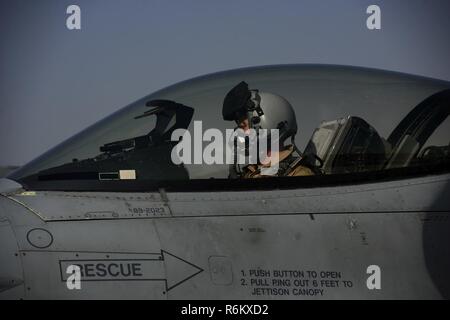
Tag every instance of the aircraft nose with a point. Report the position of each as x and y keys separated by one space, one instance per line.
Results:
x=11 y=273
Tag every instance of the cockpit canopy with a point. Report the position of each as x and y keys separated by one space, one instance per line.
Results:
x=349 y=119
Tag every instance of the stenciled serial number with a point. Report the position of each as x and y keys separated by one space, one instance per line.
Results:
x=152 y=211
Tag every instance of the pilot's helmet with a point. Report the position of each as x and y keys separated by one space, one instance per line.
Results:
x=263 y=110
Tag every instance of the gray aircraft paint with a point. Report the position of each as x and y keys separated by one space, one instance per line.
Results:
x=225 y=235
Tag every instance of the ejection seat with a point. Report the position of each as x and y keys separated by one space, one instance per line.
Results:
x=346 y=145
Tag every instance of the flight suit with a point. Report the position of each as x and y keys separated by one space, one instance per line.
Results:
x=289 y=166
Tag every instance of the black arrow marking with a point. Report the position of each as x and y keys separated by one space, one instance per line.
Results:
x=163 y=253
x=173 y=267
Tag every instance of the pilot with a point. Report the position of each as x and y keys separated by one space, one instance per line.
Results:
x=253 y=109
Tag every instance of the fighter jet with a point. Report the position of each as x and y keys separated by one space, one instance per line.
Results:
x=109 y=214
